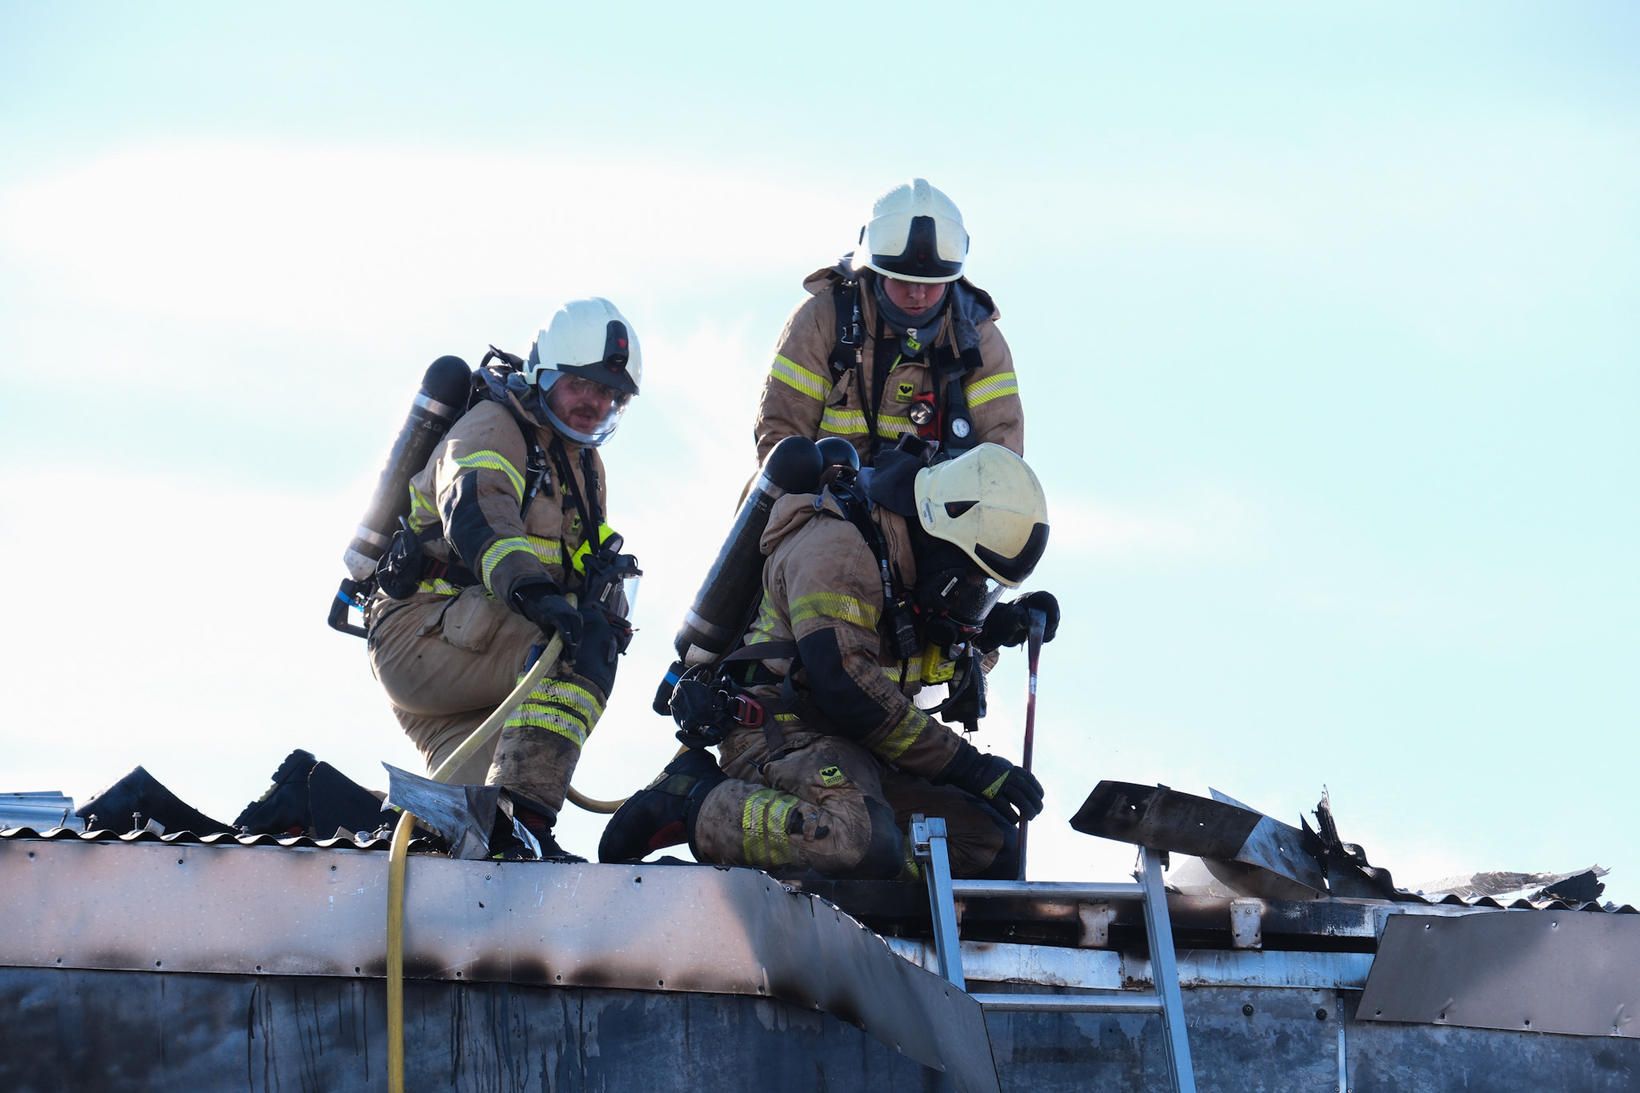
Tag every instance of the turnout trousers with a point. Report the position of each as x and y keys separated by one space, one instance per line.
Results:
x=447 y=662
x=826 y=804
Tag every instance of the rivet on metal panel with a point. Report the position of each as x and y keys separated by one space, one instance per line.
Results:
x=1247 y=1009
x=1320 y=1015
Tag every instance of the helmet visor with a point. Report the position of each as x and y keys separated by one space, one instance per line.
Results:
x=581 y=408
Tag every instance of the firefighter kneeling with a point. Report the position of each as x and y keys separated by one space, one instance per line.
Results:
x=872 y=589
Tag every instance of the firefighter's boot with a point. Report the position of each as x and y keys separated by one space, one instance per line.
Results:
x=663 y=814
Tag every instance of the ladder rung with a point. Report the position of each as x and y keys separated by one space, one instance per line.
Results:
x=1045 y=889
x=1115 y=1002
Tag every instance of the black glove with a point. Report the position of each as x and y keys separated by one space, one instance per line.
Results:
x=1013 y=790
x=1010 y=623
x=541 y=604
x=600 y=648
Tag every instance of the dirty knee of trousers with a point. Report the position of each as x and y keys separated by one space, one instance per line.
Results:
x=538 y=763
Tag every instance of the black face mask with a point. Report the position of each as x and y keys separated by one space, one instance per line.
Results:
x=952 y=595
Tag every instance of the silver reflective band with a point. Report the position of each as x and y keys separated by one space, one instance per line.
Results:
x=444 y=410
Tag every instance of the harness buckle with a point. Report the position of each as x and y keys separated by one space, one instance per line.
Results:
x=746 y=711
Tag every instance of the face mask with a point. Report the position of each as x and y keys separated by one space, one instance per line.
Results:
x=953 y=597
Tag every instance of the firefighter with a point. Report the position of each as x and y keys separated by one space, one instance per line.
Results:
x=509 y=517
x=826 y=772
x=894 y=340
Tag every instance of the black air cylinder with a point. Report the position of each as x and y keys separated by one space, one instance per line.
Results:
x=442 y=398
x=724 y=605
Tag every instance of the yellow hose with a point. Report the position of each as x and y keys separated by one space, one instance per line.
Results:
x=398 y=856
x=592 y=804
x=395 y=952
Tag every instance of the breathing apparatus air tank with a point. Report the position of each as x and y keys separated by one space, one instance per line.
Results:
x=722 y=608
x=442 y=398
x=445 y=391
x=837 y=452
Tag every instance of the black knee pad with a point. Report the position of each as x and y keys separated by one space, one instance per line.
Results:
x=885 y=850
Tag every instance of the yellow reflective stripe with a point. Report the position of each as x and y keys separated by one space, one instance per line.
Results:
x=991 y=387
x=834 y=605
x=577 y=698
x=794 y=375
x=764 y=839
x=550 y=551
x=494 y=461
x=768 y=621
x=903 y=735
x=553 y=720
x=499 y=549
x=909 y=869
x=843 y=422
x=930 y=668
x=890 y=426
x=439 y=587
x=562 y=707
x=578 y=560
x=422 y=512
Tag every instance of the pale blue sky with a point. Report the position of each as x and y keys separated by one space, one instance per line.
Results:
x=1325 y=323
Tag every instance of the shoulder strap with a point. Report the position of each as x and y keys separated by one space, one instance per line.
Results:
x=848 y=349
x=857 y=510
x=951 y=370
x=486 y=387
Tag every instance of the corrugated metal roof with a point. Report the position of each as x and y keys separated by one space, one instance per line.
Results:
x=42 y=809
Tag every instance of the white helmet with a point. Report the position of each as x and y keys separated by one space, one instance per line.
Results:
x=592 y=340
x=987 y=502
x=915 y=234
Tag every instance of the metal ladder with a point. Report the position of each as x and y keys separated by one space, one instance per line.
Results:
x=928 y=843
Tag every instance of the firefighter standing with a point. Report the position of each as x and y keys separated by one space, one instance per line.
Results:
x=844 y=756
x=894 y=340
x=509 y=515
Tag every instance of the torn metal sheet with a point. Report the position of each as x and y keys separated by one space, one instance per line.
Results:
x=278 y=910
x=1571 y=972
x=1166 y=819
x=464 y=815
x=1348 y=871
x=1578 y=886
